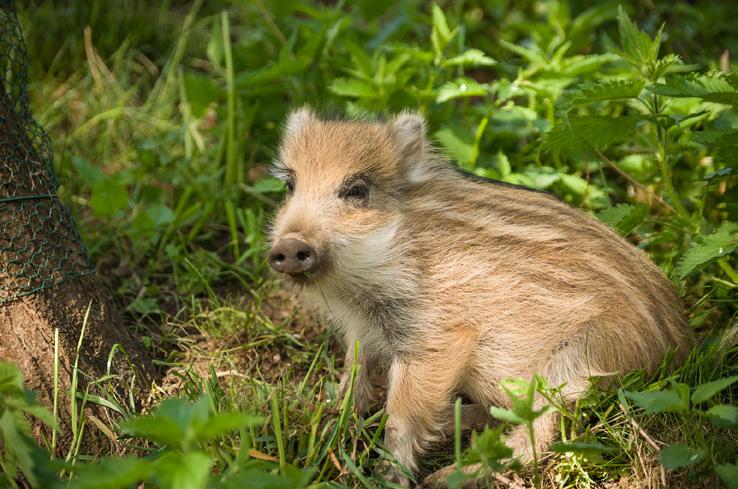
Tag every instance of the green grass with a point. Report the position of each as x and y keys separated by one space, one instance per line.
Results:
x=165 y=116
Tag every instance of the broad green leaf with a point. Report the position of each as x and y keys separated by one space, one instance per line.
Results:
x=540 y=178
x=712 y=136
x=637 y=47
x=272 y=73
x=91 y=174
x=257 y=479
x=522 y=395
x=361 y=60
x=580 y=65
x=624 y=217
x=183 y=470
x=111 y=473
x=665 y=401
x=189 y=416
x=586 y=132
x=267 y=185
x=599 y=91
x=506 y=415
x=533 y=55
x=18 y=443
x=732 y=78
x=461 y=87
x=706 y=391
x=678 y=456
x=163 y=431
x=580 y=187
x=441 y=35
x=145 y=305
x=201 y=91
x=11 y=380
x=160 y=214
x=515 y=387
x=706 y=248
x=41 y=413
x=711 y=87
x=108 y=197
x=728 y=473
x=299 y=478
x=488 y=448
x=724 y=415
x=452 y=144
x=223 y=423
x=587 y=21
x=682 y=390
x=503 y=164
x=440 y=24
x=721 y=143
x=470 y=57
x=351 y=87
x=175 y=422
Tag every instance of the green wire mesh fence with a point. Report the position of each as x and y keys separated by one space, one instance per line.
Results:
x=39 y=243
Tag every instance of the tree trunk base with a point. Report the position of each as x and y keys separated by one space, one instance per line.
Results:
x=27 y=332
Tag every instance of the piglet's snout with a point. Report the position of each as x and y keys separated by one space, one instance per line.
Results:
x=293 y=257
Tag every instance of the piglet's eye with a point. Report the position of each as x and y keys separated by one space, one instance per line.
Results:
x=290 y=184
x=358 y=191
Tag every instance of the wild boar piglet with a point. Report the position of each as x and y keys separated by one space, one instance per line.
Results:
x=452 y=283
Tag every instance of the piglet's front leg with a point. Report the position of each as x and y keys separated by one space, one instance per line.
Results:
x=420 y=388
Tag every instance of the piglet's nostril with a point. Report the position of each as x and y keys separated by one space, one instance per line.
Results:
x=292 y=256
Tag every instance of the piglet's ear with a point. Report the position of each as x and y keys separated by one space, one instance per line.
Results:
x=298 y=119
x=409 y=131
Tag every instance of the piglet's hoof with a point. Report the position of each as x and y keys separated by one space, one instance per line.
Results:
x=390 y=473
x=439 y=478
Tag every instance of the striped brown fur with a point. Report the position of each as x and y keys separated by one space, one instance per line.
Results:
x=451 y=284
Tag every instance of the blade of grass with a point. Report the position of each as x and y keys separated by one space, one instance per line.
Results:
x=277 y=424
x=233 y=226
x=76 y=429
x=457 y=431
x=232 y=174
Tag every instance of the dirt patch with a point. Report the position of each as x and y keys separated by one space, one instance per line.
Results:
x=268 y=340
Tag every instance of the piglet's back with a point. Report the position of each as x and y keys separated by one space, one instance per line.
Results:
x=535 y=275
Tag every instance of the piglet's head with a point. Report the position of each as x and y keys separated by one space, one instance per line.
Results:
x=345 y=183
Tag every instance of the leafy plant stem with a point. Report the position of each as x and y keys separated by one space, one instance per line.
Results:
x=729 y=271
x=663 y=143
x=536 y=467
x=632 y=180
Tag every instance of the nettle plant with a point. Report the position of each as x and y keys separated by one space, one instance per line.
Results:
x=654 y=112
x=180 y=444
x=562 y=119
x=677 y=399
